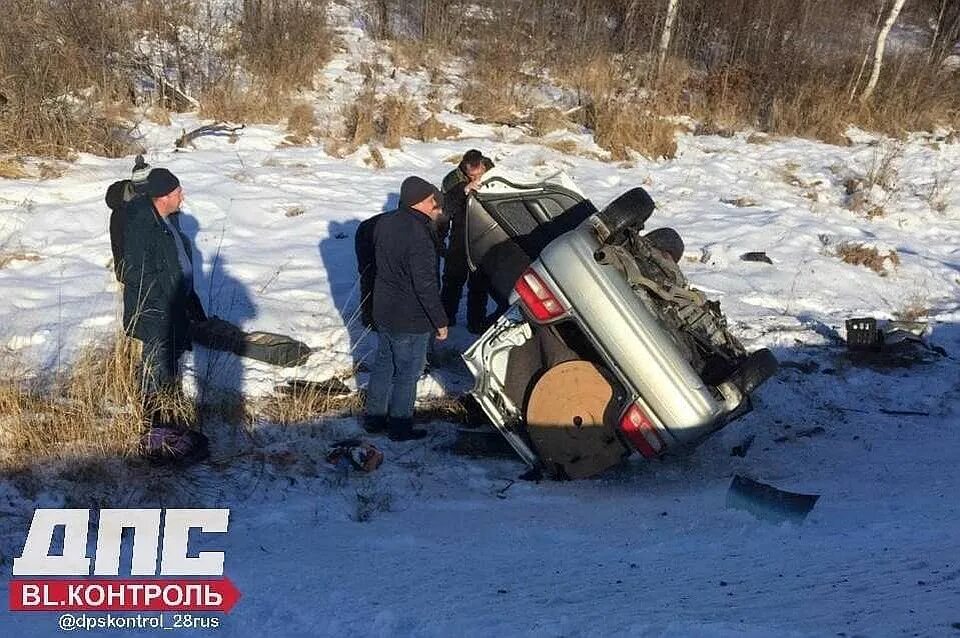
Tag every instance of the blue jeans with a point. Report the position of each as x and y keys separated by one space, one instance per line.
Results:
x=400 y=360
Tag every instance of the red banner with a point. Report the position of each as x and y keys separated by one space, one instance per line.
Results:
x=204 y=595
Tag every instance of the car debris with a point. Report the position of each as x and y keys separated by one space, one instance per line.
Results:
x=767 y=502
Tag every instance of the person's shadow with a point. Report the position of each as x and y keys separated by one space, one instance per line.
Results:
x=350 y=282
x=218 y=375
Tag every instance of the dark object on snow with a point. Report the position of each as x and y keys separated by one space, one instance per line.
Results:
x=759 y=256
x=163 y=444
x=275 y=349
x=333 y=387
x=767 y=502
x=741 y=450
x=482 y=443
x=863 y=335
x=356 y=454
x=890 y=343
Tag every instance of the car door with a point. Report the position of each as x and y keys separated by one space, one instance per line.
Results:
x=509 y=224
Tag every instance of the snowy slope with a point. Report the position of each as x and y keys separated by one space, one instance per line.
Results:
x=648 y=550
x=437 y=544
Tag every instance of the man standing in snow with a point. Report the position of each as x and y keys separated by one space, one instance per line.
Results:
x=158 y=296
x=456 y=188
x=407 y=310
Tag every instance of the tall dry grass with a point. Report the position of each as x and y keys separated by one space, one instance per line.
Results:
x=70 y=70
x=785 y=66
x=93 y=409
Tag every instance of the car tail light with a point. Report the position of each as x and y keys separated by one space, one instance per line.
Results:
x=538 y=298
x=641 y=432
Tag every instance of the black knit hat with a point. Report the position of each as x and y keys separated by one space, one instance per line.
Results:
x=161 y=182
x=416 y=189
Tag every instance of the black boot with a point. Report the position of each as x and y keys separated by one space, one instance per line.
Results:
x=375 y=424
x=403 y=430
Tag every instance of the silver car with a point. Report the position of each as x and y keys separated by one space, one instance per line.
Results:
x=605 y=349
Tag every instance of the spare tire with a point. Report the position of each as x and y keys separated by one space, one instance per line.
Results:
x=570 y=419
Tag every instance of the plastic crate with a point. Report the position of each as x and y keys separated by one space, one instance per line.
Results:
x=863 y=334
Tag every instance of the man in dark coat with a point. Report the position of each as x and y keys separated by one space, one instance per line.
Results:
x=407 y=310
x=159 y=301
x=456 y=188
x=119 y=194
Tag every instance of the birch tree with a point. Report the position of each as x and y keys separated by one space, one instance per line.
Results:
x=879 y=49
x=672 y=6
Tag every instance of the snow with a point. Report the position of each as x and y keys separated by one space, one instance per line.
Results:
x=438 y=544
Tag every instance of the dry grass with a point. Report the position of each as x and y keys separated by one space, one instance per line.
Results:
x=230 y=103
x=359 y=118
x=547 y=120
x=12 y=168
x=566 y=146
x=398 y=119
x=916 y=308
x=92 y=410
x=308 y=402
x=284 y=43
x=858 y=254
x=387 y=121
x=301 y=125
x=621 y=128
x=375 y=158
x=7 y=258
x=158 y=115
x=51 y=170
x=433 y=129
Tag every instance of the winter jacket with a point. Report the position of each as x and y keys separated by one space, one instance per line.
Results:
x=156 y=304
x=406 y=291
x=455 y=210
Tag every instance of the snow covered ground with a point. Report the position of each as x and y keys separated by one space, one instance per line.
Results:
x=651 y=548
x=437 y=544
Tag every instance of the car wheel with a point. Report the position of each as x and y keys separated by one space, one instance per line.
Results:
x=629 y=210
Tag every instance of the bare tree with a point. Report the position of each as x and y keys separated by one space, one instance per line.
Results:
x=672 y=6
x=879 y=49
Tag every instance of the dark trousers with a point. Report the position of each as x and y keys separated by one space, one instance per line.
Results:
x=392 y=390
x=456 y=274
x=160 y=382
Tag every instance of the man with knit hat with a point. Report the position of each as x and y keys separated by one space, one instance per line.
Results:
x=407 y=311
x=159 y=301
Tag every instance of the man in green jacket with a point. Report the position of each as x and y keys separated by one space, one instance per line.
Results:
x=159 y=301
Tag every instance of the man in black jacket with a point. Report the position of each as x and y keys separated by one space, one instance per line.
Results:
x=158 y=296
x=456 y=188
x=407 y=310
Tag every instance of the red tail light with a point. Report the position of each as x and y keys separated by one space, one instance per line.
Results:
x=538 y=298
x=641 y=432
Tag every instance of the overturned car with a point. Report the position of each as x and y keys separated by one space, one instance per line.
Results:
x=605 y=349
